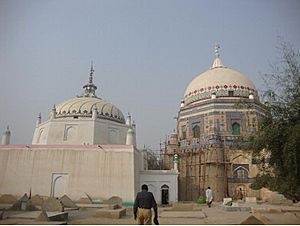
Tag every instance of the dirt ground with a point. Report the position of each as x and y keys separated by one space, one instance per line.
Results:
x=203 y=215
x=276 y=214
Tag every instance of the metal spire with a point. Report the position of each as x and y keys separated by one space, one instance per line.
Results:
x=217 y=50
x=91 y=73
x=90 y=87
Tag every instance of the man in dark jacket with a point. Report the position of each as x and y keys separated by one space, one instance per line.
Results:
x=142 y=207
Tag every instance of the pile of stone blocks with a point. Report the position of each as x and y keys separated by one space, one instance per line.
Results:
x=38 y=200
x=23 y=204
x=8 y=199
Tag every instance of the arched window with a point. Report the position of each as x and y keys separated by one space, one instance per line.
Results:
x=183 y=131
x=196 y=131
x=236 y=128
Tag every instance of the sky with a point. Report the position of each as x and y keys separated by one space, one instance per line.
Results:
x=145 y=53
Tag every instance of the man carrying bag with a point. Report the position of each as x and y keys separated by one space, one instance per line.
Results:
x=142 y=207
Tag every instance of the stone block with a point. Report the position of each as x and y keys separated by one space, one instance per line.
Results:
x=115 y=214
x=62 y=216
x=53 y=205
x=113 y=206
x=114 y=200
x=253 y=220
x=226 y=200
x=67 y=202
x=8 y=199
x=250 y=200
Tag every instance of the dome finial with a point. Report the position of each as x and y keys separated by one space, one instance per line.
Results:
x=217 y=50
x=91 y=73
x=217 y=62
x=90 y=87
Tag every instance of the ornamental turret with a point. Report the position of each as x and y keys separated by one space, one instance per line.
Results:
x=6 y=136
x=38 y=120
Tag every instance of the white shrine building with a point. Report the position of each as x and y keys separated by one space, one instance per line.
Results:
x=86 y=146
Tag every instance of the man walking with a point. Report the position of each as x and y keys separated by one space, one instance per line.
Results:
x=142 y=207
x=209 y=196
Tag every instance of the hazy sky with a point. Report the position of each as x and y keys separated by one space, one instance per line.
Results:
x=145 y=53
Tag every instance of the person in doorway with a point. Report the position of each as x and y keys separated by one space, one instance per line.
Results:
x=209 y=196
x=240 y=194
x=144 y=201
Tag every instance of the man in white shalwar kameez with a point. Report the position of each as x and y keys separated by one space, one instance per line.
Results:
x=209 y=196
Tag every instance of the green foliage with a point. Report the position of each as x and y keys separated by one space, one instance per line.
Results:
x=279 y=134
x=200 y=200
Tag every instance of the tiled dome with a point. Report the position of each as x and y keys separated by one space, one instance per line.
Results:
x=219 y=80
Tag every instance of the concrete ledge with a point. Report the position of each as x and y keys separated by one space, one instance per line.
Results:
x=236 y=208
x=107 y=213
x=32 y=215
x=30 y=222
x=63 y=216
x=4 y=206
x=265 y=210
x=86 y=205
x=182 y=214
x=185 y=207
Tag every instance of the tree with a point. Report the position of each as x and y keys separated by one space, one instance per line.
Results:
x=279 y=134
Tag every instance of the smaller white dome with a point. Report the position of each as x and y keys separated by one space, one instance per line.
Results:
x=83 y=107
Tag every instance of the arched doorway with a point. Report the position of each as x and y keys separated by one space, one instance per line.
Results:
x=165 y=194
x=235 y=129
x=59 y=184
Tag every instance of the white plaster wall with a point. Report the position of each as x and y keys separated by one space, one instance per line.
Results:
x=100 y=172
x=85 y=131
x=157 y=178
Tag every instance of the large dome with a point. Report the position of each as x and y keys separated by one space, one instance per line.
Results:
x=219 y=80
x=83 y=107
